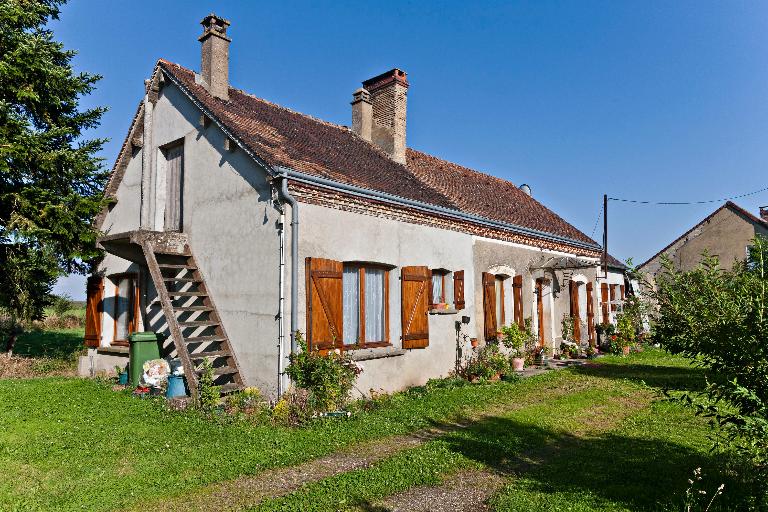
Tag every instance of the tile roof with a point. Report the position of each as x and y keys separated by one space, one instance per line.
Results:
x=285 y=138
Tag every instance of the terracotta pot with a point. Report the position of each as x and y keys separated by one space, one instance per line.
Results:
x=474 y=342
x=496 y=378
x=518 y=364
x=625 y=350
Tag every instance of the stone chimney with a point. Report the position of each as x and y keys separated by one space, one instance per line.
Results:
x=385 y=105
x=764 y=213
x=215 y=55
x=362 y=113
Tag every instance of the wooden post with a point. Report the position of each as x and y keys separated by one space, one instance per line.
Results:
x=605 y=235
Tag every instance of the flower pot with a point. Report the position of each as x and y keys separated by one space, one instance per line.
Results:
x=518 y=364
x=122 y=378
x=474 y=342
x=625 y=350
x=176 y=387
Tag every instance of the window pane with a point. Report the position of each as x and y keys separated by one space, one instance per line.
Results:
x=437 y=288
x=351 y=313
x=123 y=313
x=448 y=292
x=374 y=304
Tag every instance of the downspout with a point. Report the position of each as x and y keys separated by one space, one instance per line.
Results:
x=281 y=311
x=294 y=258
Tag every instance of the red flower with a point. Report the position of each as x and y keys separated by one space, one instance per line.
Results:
x=613 y=337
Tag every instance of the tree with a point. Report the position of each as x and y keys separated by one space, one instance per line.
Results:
x=51 y=180
x=719 y=319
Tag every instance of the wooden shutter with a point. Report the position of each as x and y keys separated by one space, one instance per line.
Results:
x=590 y=315
x=458 y=289
x=575 y=312
x=324 y=303
x=93 y=310
x=604 y=301
x=414 y=286
x=489 y=305
x=540 y=309
x=174 y=179
x=517 y=297
x=621 y=289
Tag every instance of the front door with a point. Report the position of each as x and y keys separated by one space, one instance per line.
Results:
x=540 y=309
x=174 y=185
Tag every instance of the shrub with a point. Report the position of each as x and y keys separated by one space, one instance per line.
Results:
x=487 y=364
x=719 y=319
x=514 y=338
x=61 y=305
x=328 y=378
x=248 y=404
x=208 y=395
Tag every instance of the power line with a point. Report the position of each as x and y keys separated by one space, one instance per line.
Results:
x=686 y=202
x=597 y=220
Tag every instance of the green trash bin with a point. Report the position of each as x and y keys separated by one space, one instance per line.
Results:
x=144 y=346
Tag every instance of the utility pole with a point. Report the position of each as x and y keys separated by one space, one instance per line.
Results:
x=605 y=235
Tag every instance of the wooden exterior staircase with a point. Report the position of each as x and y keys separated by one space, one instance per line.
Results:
x=195 y=325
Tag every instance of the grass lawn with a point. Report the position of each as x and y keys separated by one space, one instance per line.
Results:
x=72 y=444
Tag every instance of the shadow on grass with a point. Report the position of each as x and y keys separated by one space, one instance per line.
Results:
x=636 y=473
x=56 y=344
x=675 y=378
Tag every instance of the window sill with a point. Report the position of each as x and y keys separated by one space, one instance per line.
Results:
x=113 y=350
x=366 y=354
x=443 y=311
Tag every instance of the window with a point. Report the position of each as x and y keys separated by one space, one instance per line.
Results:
x=126 y=307
x=365 y=305
x=442 y=287
x=499 y=301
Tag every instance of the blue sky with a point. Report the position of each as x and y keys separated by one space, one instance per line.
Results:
x=662 y=101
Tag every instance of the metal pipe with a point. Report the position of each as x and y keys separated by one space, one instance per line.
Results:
x=294 y=258
x=393 y=199
x=281 y=310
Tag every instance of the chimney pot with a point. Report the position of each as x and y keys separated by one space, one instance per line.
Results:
x=388 y=94
x=215 y=55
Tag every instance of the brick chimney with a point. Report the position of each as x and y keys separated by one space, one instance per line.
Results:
x=215 y=55
x=764 y=213
x=386 y=102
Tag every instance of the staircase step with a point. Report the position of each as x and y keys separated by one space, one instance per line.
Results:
x=214 y=354
x=228 y=388
x=177 y=266
x=221 y=370
x=192 y=308
x=182 y=280
x=187 y=294
x=201 y=323
x=203 y=339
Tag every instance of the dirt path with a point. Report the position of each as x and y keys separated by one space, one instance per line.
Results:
x=470 y=491
x=248 y=491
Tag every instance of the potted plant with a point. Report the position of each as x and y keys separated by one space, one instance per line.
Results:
x=625 y=336
x=122 y=375
x=473 y=342
x=488 y=365
x=513 y=338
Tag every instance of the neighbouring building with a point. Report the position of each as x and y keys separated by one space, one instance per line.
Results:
x=726 y=233
x=236 y=222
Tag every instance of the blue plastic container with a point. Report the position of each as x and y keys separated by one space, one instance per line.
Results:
x=122 y=379
x=176 y=387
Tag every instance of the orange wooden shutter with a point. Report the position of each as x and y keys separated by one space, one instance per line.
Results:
x=575 y=313
x=489 y=305
x=415 y=285
x=93 y=310
x=517 y=296
x=540 y=309
x=604 y=301
x=458 y=289
x=621 y=289
x=324 y=303
x=590 y=315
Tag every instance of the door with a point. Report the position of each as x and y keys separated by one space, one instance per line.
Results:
x=174 y=187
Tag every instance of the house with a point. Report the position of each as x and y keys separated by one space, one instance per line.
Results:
x=236 y=222
x=726 y=233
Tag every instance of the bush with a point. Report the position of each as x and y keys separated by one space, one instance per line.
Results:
x=61 y=305
x=487 y=364
x=328 y=378
x=514 y=338
x=719 y=319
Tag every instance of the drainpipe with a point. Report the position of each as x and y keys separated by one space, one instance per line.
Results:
x=294 y=258
x=281 y=311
